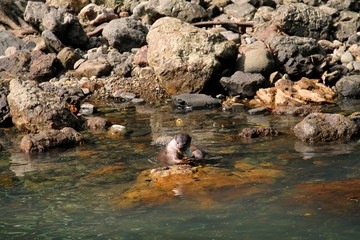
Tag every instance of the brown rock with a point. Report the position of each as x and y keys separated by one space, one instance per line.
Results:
x=203 y=185
x=49 y=139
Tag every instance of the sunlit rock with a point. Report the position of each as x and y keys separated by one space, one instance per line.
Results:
x=202 y=185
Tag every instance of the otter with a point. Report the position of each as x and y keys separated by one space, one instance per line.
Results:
x=179 y=150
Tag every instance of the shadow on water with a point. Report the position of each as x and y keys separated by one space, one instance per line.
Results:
x=69 y=193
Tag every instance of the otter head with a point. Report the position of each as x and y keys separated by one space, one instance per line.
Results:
x=183 y=141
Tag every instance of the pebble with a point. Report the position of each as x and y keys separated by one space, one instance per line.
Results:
x=346 y=57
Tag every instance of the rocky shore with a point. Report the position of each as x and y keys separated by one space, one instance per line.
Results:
x=281 y=56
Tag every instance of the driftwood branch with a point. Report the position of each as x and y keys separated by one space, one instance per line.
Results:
x=241 y=25
x=210 y=23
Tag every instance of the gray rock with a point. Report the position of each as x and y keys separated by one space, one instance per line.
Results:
x=187 y=101
x=349 y=86
x=325 y=127
x=52 y=42
x=63 y=24
x=243 y=84
x=257 y=61
x=240 y=11
x=9 y=40
x=125 y=34
x=346 y=25
x=33 y=109
x=297 y=56
x=352 y=5
x=184 y=10
x=302 y=20
x=185 y=58
x=87 y=109
x=46 y=139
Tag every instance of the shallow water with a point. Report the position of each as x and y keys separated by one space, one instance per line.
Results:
x=67 y=193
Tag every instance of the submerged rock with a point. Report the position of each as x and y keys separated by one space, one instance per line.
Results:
x=325 y=127
x=189 y=101
x=203 y=185
x=51 y=138
x=258 y=132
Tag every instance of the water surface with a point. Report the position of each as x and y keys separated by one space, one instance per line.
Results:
x=68 y=193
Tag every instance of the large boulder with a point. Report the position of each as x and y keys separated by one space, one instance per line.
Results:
x=325 y=127
x=297 y=56
x=184 y=10
x=186 y=58
x=302 y=20
x=125 y=34
x=33 y=109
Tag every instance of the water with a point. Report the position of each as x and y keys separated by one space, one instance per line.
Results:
x=69 y=193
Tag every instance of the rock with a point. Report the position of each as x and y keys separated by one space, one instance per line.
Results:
x=140 y=58
x=258 y=132
x=10 y=51
x=349 y=86
x=346 y=57
x=243 y=10
x=63 y=24
x=186 y=58
x=11 y=18
x=93 y=14
x=87 y=109
x=42 y=66
x=184 y=10
x=5 y=117
x=68 y=57
x=97 y=123
x=14 y=65
x=117 y=130
x=297 y=56
x=346 y=25
x=163 y=185
x=301 y=20
x=257 y=61
x=52 y=42
x=33 y=109
x=189 y=101
x=76 y=5
x=96 y=67
x=45 y=139
x=243 y=84
x=9 y=40
x=325 y=127
x=125 y=34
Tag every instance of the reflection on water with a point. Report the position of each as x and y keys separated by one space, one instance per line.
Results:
x=68 y=193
